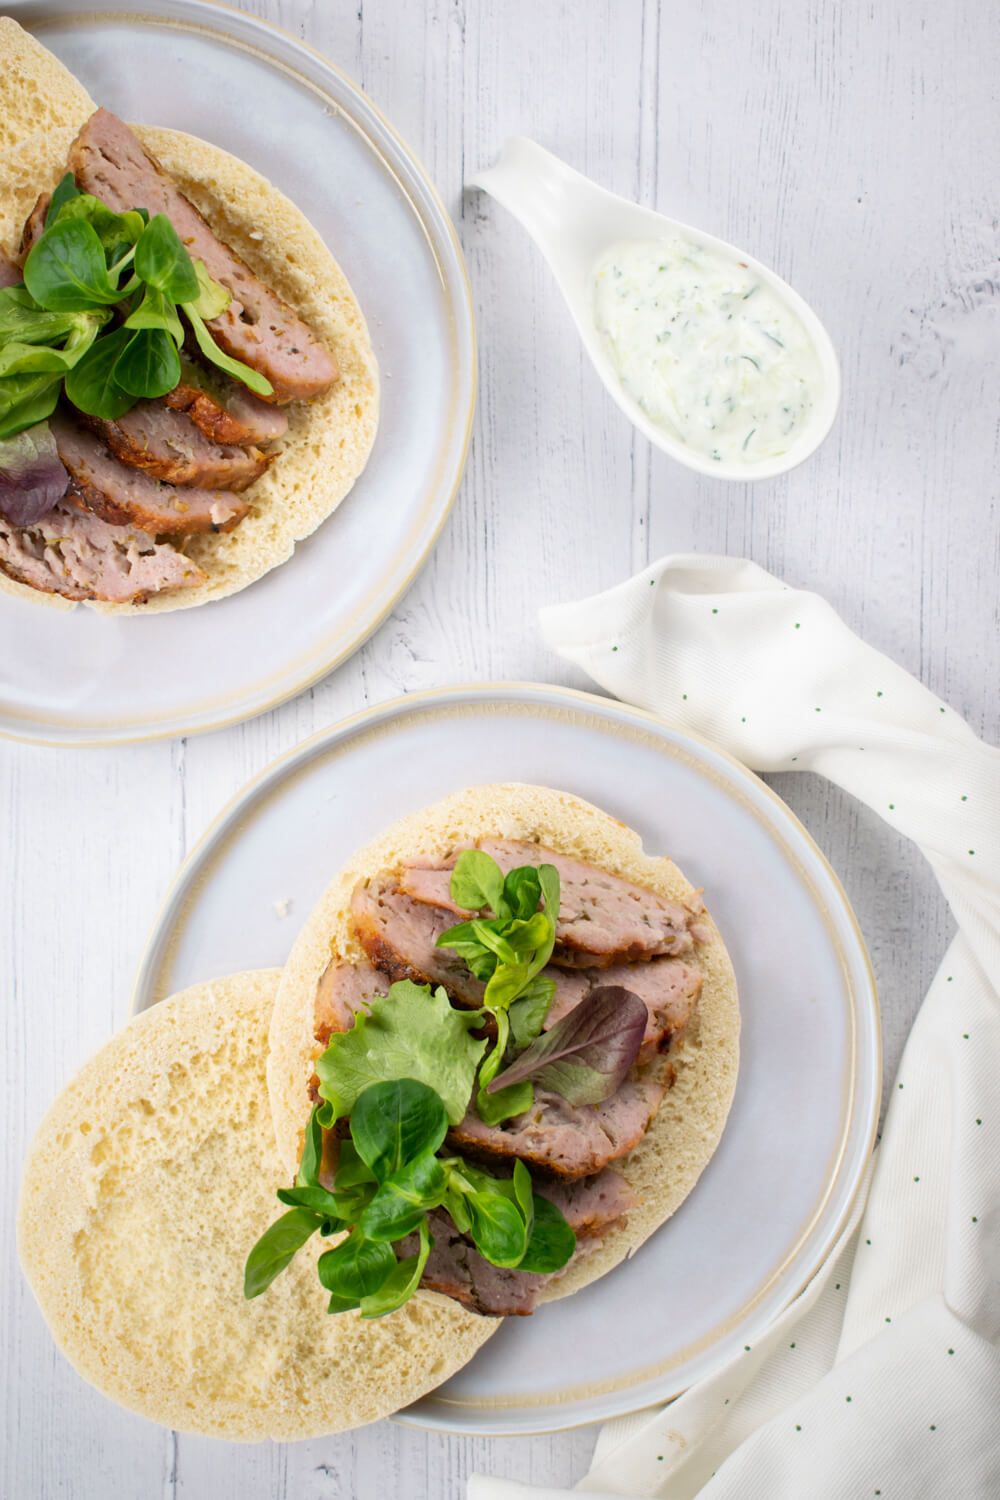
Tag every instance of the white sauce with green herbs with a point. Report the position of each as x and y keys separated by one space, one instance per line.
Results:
x=704 y=346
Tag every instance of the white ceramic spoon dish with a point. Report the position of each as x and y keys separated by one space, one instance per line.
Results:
x=576 y=224
x=775 y=1196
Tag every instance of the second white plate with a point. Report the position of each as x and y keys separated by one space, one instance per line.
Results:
x=82 y=678
x=775 y=1195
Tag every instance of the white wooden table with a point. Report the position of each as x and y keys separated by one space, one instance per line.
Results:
x=852 y=147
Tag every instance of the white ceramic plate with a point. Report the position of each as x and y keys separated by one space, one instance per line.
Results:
x=774 y=1196
x=79 y=678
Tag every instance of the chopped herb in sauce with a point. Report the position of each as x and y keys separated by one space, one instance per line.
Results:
x=681 y=324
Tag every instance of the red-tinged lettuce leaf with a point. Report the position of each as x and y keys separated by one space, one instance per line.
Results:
x=587 y=1055
x=32 y=478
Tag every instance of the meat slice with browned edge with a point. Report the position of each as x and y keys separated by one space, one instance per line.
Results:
x=10 y=274
x=457 y=1270
x=34 y=224
x=603 y=919
x=593 y=1204
x=166 y=444
x=399 y=934
x=668 y=988
x=108 y=160
x=128 y=497
x=223 y=409
x=560 y=1139
x=343 y=990
x=73 y=553
x=566 y=1140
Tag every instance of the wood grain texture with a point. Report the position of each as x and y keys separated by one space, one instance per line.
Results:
x=850 y=145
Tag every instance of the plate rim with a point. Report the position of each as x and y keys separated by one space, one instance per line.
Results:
x=459 y=305
x=150 y=963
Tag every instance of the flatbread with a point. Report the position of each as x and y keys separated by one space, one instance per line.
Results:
x=148 y=1181
x=667 y=1163
x=329 y=439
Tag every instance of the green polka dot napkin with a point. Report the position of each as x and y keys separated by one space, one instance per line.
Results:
x=883 y=1377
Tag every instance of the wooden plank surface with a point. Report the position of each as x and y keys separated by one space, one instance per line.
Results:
x=850 y=145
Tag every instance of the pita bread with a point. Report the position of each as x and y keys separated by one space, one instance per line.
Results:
x=668 y=1161
x=148 y=1182
x=42 y=106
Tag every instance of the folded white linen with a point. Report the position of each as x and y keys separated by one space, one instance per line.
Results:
x=883 y=1377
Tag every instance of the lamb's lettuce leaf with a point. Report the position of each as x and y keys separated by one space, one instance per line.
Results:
x=477 y=882
x=507 y=951
x=66 y=269
x=162 y=261
x=63 y=192
x=389 y=1180
x=500 y=1105
x=26 y=400
x=277 y=1247
x=528 y=1012
x=354 y=1269
x=400 y=1284
x=394 y=1123
x=404 y=1199
x=551 y=1242
x=117 y=233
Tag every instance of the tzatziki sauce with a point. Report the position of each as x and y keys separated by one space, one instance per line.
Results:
x=706 y=348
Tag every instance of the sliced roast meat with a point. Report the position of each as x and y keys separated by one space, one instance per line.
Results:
x=344 y=989
x=128 y=497
x=668 y=987
x=559 y=1139
x=34 y=224
x=399 y=936
x=457 y=1270
x=223 y=409
x=591 y=1205
x=257 y=327
x=10 y=273
x=73 y=553
x=562 y=1139
x=603 y=919
x=166 y=444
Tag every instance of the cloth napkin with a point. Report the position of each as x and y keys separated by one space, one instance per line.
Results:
x=883 y=1377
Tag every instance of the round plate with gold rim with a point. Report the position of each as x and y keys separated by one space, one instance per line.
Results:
x=779 y=1188
x=81 y=678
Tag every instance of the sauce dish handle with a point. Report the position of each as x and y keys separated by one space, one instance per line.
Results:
x=541 y=191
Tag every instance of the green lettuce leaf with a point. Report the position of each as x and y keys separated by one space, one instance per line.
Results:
x=412 y=1032
x=400 y=1284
